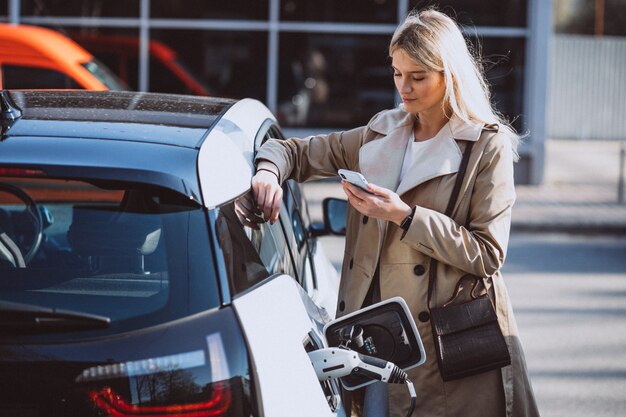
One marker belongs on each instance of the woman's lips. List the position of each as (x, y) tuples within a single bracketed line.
[(407, 100)]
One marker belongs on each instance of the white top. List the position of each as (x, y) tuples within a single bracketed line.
[(418, 151)]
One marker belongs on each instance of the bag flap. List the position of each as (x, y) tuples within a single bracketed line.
[(457, 317)]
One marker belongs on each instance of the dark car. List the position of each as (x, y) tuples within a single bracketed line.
[(133, 281)]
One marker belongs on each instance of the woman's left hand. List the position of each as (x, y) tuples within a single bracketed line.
[(381, 203)]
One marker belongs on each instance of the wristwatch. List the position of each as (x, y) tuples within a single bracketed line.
[(406, 223)]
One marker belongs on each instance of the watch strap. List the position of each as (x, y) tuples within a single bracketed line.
[(406, 223)]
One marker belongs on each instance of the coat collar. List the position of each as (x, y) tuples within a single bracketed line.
[(381, 160)]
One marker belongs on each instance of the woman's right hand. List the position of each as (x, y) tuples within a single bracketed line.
[(268, 194)]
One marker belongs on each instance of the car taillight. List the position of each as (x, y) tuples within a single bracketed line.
[(21, 172), (115, 406), (159, 377)]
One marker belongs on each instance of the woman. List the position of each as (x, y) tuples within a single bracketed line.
[(411, 156)]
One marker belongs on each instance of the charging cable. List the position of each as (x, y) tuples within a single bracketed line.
[(339, 362)]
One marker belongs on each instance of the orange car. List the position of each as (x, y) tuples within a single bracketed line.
[(121, 55), (33, 57)]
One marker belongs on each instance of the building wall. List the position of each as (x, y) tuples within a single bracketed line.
[(587, 98)]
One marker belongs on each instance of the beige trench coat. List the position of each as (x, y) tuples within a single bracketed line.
[(485, 200)]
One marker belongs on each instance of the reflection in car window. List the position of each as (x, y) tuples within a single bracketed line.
[(104, 75), (22, 77), (252, 251), (113, 250)]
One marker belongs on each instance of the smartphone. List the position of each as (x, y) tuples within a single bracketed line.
[(354, 178)]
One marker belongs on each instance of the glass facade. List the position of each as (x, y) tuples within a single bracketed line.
[(211, 9), (503, 60), (80, 8), (589, 17), (364, 11), (509, 13), (331, 80), (228, 64), (318, 65)]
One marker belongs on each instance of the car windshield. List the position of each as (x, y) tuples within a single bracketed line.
[(118, 251), (104, 75)]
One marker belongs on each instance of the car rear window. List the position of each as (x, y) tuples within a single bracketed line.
[(125, 252)]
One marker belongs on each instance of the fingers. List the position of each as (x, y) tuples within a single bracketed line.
[(375, 189), (272, 206), (269, 201), (268, 195), (247, 212), (356, 197), (354, 190)]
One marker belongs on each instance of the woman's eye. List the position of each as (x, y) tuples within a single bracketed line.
[(396, 74), (418, 79)]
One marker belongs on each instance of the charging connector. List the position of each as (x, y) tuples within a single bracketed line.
[(339, 362)]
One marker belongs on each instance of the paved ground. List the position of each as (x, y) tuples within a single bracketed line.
[(569, 298), (580, 191)]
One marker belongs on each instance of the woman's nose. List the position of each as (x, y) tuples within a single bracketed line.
[(404, 85)]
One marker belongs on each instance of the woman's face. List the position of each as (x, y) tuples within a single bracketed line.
[(422, 90)]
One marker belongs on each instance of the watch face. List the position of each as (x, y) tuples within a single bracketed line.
[(406, 222)]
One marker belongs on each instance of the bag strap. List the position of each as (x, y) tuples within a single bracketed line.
[(453, 199)]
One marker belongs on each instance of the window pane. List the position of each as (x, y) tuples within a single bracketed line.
[(251, 254), (333, 80), (614, 18), (504, 67), (370, 11), (481, 13), (21, 77), (579, 17), (228, 64), (202, 9), (83, 8), (574, 17), (116, 48), (115, 250)]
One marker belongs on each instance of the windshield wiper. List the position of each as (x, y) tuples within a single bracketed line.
[(32, 317)]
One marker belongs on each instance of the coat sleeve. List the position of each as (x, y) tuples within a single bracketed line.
[(312, 157), (480, 248)]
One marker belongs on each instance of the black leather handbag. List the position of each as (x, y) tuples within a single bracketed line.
[(467, 336)]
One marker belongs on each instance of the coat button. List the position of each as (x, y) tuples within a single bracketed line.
[(423, 316), (365, 219), (419, 269), (342, 305), (351, 263)]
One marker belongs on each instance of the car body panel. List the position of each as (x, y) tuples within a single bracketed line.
[(69, 368), (276, 323), (325, 293), (128, 116), (229, 152)]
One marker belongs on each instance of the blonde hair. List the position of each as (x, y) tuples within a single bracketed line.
[(434, 40)]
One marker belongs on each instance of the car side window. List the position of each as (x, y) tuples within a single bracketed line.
[(252, 251), (295, 226), (24, 77)]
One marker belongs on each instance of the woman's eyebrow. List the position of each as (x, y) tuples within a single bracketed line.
[(411, 72)]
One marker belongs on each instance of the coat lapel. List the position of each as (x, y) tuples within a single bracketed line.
[(442, 154), (380, 160)]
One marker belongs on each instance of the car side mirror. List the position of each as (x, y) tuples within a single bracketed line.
[(385, 330), (335, 215)]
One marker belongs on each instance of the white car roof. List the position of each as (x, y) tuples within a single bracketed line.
[(225, 161)]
